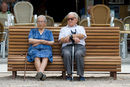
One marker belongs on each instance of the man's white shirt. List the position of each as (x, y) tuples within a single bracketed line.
[(65, 31)]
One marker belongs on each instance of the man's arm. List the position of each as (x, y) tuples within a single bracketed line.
[(65, 39), (80, 36), (76, 38)]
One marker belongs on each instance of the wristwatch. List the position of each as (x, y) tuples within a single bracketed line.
[(71, 37)]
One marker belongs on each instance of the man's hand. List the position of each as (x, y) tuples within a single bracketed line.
[(67, 39), (77, 40)]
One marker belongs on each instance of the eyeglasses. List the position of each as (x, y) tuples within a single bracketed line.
[(40, 22), (70, 19)]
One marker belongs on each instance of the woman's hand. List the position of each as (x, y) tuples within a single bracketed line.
[(35, 44)]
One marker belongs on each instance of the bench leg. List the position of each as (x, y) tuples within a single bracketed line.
[(14, 74), (114, 75), (64, 74)]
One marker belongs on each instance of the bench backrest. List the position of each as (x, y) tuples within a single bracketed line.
[(18, 40), (101, 41)]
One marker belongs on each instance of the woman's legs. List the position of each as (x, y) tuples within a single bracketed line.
[(37, 63), (40, 66), (43, 65)]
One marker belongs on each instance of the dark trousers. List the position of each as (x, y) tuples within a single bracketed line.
[(79, 53)]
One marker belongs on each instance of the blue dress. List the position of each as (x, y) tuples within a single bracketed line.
[(40, 50)]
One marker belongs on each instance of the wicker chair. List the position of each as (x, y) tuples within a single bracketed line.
[(120, 24), (100, 15), (127, 21), (50, 20), (23, 12), (84, 22), (3, 36)]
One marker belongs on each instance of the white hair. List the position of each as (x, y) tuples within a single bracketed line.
[(43, 17), (73, 13)]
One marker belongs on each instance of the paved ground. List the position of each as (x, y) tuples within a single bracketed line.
[(55, 80)]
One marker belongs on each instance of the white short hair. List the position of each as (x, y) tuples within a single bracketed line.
[(43, 17), (73, 13)]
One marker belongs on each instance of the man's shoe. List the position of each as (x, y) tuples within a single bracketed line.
[(69, 78), (81, 78)]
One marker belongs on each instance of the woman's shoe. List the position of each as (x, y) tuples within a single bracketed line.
[(43, 77), (38, 75)]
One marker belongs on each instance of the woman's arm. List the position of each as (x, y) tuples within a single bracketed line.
[(36, 42)]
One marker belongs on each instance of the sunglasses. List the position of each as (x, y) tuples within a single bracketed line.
[(70, 19)]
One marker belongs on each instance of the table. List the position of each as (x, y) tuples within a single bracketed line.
[(125, 43), (100, 25), (125, 32), (24, 24)]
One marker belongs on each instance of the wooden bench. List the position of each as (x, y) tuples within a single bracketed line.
[(102, 53)]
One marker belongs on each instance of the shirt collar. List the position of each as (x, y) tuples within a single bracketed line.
[(72, 27)]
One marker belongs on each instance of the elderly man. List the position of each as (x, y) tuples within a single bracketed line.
[(4, 8), (3, 13), (89, 10), (40, 51), (79, 51)]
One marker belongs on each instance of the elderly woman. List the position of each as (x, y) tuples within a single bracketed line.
[(40, 51)]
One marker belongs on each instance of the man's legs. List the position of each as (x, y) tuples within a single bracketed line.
[(79, 59), (66, 53)]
